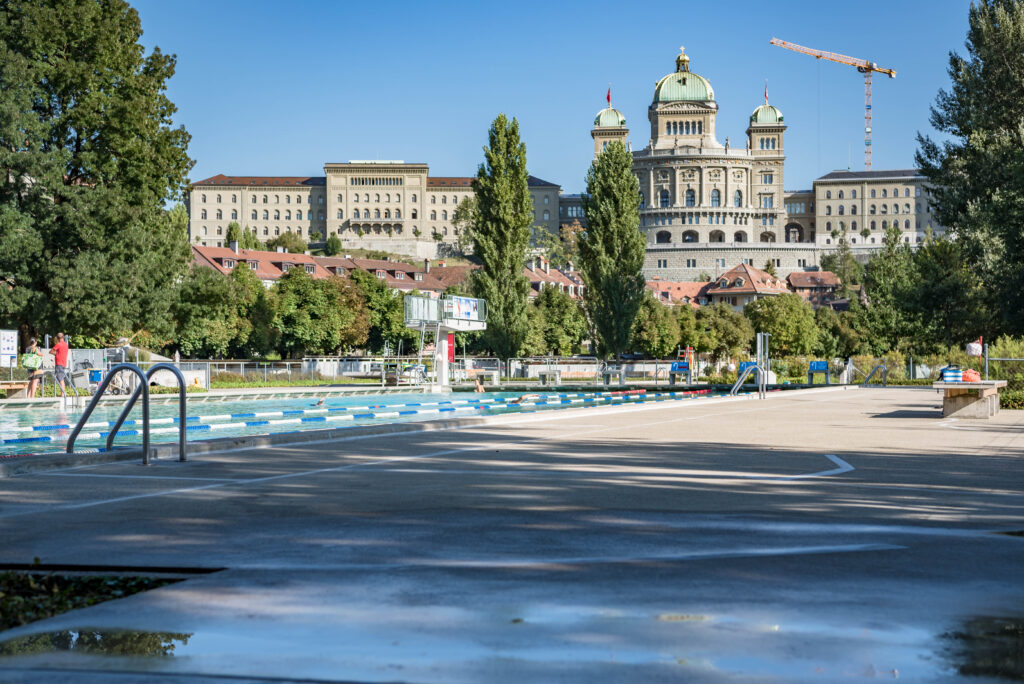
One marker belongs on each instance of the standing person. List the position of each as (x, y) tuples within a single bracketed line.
[(32, 360), (60, 360)]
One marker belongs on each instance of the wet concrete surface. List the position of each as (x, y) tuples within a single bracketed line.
[(826, 536)]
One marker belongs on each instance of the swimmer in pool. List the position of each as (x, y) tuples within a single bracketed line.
[(479, 385), (319, 403), (525, 397)]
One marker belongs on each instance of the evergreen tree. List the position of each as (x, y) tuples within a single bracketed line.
[(501, 236), (89, 157), (234, 233), (249, 239), (612, 248), (769, 268), (333, 246), (978, 173), (889, 279), (948, 295)]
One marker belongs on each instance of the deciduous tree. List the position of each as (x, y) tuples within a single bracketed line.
[(788, 319), (655, 329)]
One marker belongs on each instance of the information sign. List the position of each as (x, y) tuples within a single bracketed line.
[(680, 366), (8, 348), (819, 366)]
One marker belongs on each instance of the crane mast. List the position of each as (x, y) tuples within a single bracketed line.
[(863, 66)]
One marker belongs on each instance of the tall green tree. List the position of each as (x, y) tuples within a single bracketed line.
[(724, 332), (788, 319), (889, 280), (89, 156), (209, 314), (948, 295), (977, 172), (318, 316), (333, 246), (845, 266), (501, 236), (655, 329), (612, 248)]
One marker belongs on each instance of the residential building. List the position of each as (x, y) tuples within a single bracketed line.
[(818, 288), (744, 284)]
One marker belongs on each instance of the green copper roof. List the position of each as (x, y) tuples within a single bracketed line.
[(766, 114), (682, 86), (609, 117)]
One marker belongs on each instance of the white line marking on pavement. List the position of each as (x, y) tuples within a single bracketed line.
[(138, 477)]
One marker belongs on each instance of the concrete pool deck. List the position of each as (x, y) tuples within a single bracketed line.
[(814, 536)]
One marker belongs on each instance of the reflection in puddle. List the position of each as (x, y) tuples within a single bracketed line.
[(988, 646), (96, 642)]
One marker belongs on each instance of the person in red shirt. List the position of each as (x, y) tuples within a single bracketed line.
[(60, 359)]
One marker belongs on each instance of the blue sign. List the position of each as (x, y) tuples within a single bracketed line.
[(744, 365), (819, 366), (680, 366)]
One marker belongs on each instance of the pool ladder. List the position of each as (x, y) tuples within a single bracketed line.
[(143, 390)]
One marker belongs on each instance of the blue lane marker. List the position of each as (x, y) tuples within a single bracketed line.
[(365, 415), (292, 412), (407, 413), (243, 415), (254, 423), (190, 428), (315, 419)]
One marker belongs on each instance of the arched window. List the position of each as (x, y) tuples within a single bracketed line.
[(220, 214), (455, 200), (277, 214), (340, 215), (895, 192), (895, 208), (840, 194), (288, 199), (884, 193), (234, 214), (700, 128), (691, 198), (376, 213), (716, 236), (204, 198), (433, 199), (885, 209), (414, 197), (885, 224), (906, 224), (643, 201), (202, 214), (433, 215), (254, 199), (739, 236), (355, 213), (668, 128), (872, 225), (690, 236), (547, 215), (366, 213), (663, 237), (853, 194), (376, 197), (716, 198), (387, 213), (663, 199), (387, 197), (767, 236), (828, 210), (415, 213), (828, 194), (871, 210), (277, 199), (366, 197), (841, 210), (737, 199), (906, 192), (398, 213), (828, 225), (264, 199), (218, 199), (266, 215), (254, 214), (853, 209), (444, 215), (853, 225), (309, 216)]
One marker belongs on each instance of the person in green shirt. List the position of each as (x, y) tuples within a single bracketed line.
[(32, 360)]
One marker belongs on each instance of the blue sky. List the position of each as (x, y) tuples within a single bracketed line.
[(271, 88)]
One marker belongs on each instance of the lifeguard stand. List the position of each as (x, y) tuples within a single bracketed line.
[(447, 314)]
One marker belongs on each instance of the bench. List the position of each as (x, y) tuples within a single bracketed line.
[(550, 377), (15, 388), (970, 399)]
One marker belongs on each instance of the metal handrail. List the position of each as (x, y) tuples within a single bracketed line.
[(182, 408), (885, 375), (67, 381), (96, 400), (743, 377)]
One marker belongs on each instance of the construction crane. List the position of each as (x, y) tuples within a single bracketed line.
[(864, 66)]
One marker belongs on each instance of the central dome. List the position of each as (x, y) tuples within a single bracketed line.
[(683, 85)]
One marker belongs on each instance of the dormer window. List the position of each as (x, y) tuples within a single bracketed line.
[(723, 283), (338, 270), (253, 265), (310, 268), (399, 275), (738, 282), (381, 273), (418, 277), (285, 266), (229, 263)]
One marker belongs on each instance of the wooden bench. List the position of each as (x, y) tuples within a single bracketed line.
[(970, 399), (15, 388)]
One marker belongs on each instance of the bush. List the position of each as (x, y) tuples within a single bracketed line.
[(1012, 399)]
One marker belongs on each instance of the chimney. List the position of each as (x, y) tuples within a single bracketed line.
[(441, 263), (281, 250), (547, 265), (426, 265), (348, 256), (568, 267), (233, 245)]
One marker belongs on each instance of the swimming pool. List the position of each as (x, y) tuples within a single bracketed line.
[(35, 431)]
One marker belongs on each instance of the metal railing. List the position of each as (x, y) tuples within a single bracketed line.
[(68, 382), (110, 375), (182, 409)]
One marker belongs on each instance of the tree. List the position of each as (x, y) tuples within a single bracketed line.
[(769, 268), (788, 319), (501, 235), (333, 246), (318, 316), (845, 266), (290, 241), (976, 173), (612, 248), (724, 332), (207, 314), (563, 324), (256, 309), (888, 281), (655, 329), (234, 233), (463, 219), (948, 295), (837, 334), (89, 157), (686, 319), (250, 240), (385, 309), (563, 248)]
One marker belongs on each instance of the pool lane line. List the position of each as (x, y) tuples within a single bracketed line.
[(611, 397), (287, 412)]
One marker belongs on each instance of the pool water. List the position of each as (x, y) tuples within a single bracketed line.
[(33, 431)]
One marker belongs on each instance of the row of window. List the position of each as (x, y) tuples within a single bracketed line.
[(895, 193), (455, 199), (711, 220), (874, 225), (684, 128), (906, 239), (882, 209), (690, 199), (376, 214), (767, 143), (375, 181), (664, 237)]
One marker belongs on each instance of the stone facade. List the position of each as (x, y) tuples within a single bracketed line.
[(391, 206)]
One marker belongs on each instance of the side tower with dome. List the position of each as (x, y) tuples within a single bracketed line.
[(609, 125)]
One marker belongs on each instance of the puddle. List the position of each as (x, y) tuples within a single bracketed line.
[(96, 642), (988, 646)]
